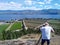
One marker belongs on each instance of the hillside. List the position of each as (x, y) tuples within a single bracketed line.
[(30, 36), (31, 40), (31, 12)]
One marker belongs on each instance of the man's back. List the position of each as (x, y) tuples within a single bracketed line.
[(46, 32)]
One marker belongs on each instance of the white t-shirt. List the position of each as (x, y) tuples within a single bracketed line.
[(46, 32)]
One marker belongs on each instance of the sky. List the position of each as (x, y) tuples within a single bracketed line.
[(29, 4)]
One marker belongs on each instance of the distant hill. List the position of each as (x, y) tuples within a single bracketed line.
[(31, 12)]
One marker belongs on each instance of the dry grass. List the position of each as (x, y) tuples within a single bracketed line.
[(33, 23), (54, 40)]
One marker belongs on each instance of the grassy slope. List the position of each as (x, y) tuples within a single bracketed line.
[(34, 23), (3, 27), (16, 25), (55, 24)]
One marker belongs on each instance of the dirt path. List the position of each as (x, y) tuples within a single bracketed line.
[(29, 40), (9, 26), (54, 40)]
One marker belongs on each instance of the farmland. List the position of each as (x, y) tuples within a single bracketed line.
[(15, 29), (3, 27), (16, 25), (32, 23), (6, 30)]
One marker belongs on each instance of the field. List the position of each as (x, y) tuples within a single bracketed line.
[(3, 27), (32, 23), (6, 30), (16, 26)]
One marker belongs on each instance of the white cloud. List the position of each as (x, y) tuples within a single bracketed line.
[(56, 4), (16, 6), (28, 2), (48, 1), (48, 7), (10, 6), (41, 3), (45, 2), (19, 6), (32, 8)]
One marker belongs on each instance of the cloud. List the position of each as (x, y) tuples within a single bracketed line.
[(56, 4), (10, 6), (45, 2), (28, 2), (41, 3), (32, 8), (16, 6), (30, 5), (48, 1), (47, 7)]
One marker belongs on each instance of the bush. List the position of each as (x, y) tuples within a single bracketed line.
[(57, 31), (6, 35)]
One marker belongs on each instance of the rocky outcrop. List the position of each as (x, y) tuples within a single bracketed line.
[(11, 42), (29, 41), (17, 42)]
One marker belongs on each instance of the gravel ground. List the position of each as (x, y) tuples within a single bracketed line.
[(29, 40)]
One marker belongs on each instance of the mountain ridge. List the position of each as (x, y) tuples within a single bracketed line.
[(31, 12)]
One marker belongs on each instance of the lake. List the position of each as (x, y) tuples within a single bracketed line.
[(11, 16)]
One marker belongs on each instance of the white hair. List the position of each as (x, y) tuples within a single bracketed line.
[(46, 23)]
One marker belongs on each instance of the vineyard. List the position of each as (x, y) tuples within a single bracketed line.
[(14, 30), (8, 30), (32, 23)]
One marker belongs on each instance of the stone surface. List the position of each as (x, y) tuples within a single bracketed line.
[(20, 41)]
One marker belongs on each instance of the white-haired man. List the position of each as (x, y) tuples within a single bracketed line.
[(46, 33)]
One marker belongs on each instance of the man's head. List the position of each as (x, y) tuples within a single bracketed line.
[(46, 23)]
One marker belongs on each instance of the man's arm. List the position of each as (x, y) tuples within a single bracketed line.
[(52, 30), (53, 34), (38, 27)]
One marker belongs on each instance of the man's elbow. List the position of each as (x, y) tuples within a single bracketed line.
[(53, 31)]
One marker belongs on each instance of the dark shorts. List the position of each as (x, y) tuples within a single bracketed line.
[(45, 40)]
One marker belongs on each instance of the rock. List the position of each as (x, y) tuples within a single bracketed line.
[(30, 42), (12, 42)]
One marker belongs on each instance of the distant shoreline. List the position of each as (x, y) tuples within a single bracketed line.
[(28, 19)]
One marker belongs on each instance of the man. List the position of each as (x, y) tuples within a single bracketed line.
[(46, 33)]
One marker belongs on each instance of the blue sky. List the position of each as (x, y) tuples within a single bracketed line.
[(29, 4)]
